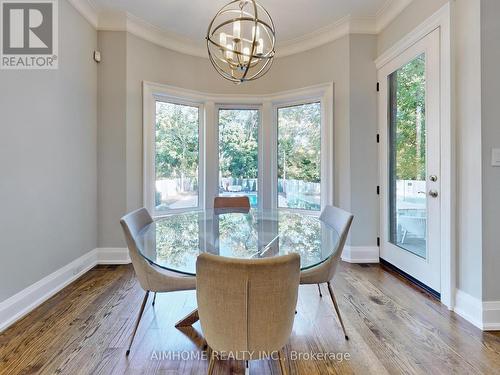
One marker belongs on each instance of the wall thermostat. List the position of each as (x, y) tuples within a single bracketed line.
[(97, 56), (495, 157)]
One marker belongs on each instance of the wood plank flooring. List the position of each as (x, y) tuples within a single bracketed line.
[(393, 327)]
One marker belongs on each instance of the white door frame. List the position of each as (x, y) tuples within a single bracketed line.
[(442, 20), (427, 269)]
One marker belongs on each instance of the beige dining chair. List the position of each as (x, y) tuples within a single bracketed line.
[(247, 306), (232, 202), (341, 221), (151, 278)]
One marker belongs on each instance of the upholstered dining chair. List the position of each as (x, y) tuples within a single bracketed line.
[(247, 306), (151, 278), (341, 221), (222, 203)]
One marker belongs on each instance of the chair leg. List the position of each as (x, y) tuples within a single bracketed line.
[(319, 290), (337, 309), (282, 363), (138, 321), (154, 299), (211, 364)]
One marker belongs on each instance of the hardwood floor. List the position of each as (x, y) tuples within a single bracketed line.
[(393, 328)]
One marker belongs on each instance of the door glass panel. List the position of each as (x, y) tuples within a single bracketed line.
[(176, 156), (299, 156), (239, 153), (407, 179)]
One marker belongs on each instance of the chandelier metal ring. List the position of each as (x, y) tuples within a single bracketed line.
[(241, 44)]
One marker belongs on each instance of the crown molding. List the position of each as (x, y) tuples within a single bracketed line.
[(123, 21), (343, 27), (390, 10), (156, 35), (87, 10)]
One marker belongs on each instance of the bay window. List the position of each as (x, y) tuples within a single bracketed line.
[(275, 149)]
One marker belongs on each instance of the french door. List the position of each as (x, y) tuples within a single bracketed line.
[(409, 118)]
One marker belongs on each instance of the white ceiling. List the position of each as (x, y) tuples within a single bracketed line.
[(293, 18), (300, 24)]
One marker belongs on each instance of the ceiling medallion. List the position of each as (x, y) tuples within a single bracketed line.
[(240, 41)]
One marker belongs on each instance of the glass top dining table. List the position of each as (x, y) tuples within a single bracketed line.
[(173, 242)]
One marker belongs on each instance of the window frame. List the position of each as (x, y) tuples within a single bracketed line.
[(234, 106), (323, 147), (324, 95), (208, 167), (149, 138)]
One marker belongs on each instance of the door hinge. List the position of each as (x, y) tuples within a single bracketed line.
[(378, 241), (378, 138), (378, 190), (378, 86)]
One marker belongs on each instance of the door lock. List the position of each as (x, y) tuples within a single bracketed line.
[(433, 193), (433, 178)]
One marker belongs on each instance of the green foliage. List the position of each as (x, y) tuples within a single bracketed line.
[(238, 140), (409, 82), (299, 142), (176, 140)]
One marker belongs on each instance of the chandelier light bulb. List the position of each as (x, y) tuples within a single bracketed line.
[(255, 34), (229, 52), (237, 29), (222, 39), (246, 54), (260, 46)]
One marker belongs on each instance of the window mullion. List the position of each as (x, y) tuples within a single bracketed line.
[(210, 155), (267, 152)]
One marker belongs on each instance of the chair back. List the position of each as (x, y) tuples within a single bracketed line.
[(247, 306), (132, 224), (232, 203), (341, 221)]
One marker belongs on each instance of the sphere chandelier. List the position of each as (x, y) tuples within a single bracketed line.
[(240, 41)]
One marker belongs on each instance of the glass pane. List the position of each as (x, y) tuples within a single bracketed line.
[(299, 156), (408, 208), (238, 153), (176, 156)]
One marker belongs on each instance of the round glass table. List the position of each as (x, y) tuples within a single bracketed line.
[(173, 242)]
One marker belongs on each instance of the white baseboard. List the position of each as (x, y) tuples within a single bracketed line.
[(484, 315), (113, 255), (14, 308), (491, 316), (361, 254), (20, 304), (469, 308)]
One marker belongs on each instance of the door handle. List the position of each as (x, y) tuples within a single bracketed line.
[(433, 193)]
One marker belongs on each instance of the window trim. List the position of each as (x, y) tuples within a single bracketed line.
[(234, 106), (208, 163), (323, 147), (149, 145)]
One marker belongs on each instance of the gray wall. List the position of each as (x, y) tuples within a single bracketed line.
[(48, 160), (412, 16), (364, 128), (490, 56), (147, 61), (468, 149), (111, 135)]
